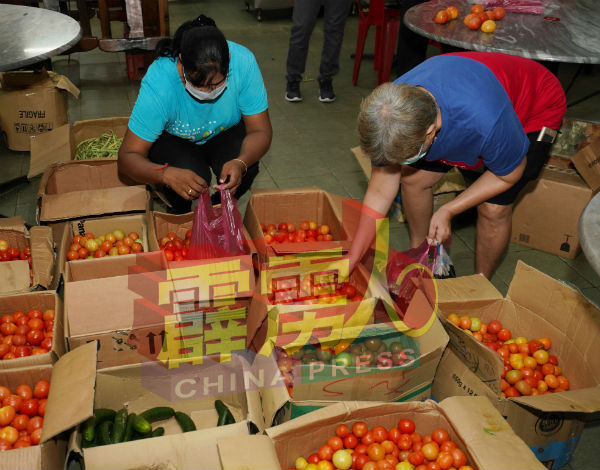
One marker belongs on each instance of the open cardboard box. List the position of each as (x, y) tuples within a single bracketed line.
[(472, 422), (86, 188), (70, 379), (15, 274), (276, 327), (536, 306), (60, 144), (42, 300), (272, 206), (143, 386)]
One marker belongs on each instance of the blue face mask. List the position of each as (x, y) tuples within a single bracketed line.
[(412, 160)]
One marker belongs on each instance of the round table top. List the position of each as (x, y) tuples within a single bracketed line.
[(29, 35), (589, 232), (575, 38)]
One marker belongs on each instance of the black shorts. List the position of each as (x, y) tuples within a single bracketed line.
[(537, 155), (201, 159)]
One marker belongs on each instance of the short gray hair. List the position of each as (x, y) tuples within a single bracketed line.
[(393, 121)]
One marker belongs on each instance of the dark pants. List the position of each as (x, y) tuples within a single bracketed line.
[(201, 159), (304, 19), (411, 48)]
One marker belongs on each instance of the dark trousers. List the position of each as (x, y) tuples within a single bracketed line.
[(201, 159), (304, 19)]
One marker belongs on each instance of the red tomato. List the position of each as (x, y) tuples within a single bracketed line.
[(8, 329), (380, 434), (10, 434), (41, 389), (30, 407), (430, 450), (5, 445), (459, 458), (360, 428), (335, 442), (7, 414), (282, 226), (34, 423), (440, 435), (325, 452), (35, 337), (445, 460), (361, 460), (169, 254), (36, 436), (304, 225), (22, 443), (360, 449), (20, 421), (503, 335), (406, 426), (494, 327), (416, 458), (24, 391), (405, 442), (83, 253), (375, 451), (42, 407), (342, 430), (46, 343), (350, 441), (7, 319), (393, 434), (23, 351), (4, 392)]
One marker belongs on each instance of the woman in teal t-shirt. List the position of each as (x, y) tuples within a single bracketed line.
[(202, 106)]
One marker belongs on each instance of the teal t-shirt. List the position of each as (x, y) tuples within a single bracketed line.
[(164, 104)]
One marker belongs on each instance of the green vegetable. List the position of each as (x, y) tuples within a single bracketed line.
[(158, 413), (105, 146), (104, 430), (185, 422), (158, 432), (129, 427), (119, 426), (225, 416), (142, 425), (100, 415)]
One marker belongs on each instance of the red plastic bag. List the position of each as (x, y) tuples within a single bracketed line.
[(217, 231), (535, 7)]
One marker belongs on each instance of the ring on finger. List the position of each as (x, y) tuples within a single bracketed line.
[(189, 191)]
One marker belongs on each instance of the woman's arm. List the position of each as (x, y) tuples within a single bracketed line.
[(256, 143), (134, 165), (382, 190)]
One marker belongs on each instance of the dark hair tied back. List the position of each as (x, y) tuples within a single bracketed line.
[(204, 21)]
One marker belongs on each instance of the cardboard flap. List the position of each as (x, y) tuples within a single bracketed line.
[(587, 162), (89, 128), (302, 425), (586, 400), (15, 277), (489, 437), (191, 450), (62, 82), (42, 255), (13, 223), (48, 148), (234, 453), (466, 288), (23, 78), (71, 398)]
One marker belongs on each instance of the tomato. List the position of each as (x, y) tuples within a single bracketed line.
[(10, 434), (124, 250), (465, 322), (325, 452), (34, 423), (416, 458), (30, 407), (440, 435), (430, 450), (342, 459), (350, 441), (22, 443), (488, 26), (375, 451), (404, 442), (24, 391), (406, 426), (504, 334), (452, 12), (324, 465), (388, 446), (36, 436), (442, 17), (8, 329), (5, 445), (46, 343), (361, 460), (368, 438), (19, 422), (42, 407), (360, 428), (499, 13), (7, 414), (447, 446), (22, 351), (342, 430), (335, 442), (4, 392), (380, 434)]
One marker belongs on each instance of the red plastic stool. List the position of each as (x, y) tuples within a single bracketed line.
[(387, 24)]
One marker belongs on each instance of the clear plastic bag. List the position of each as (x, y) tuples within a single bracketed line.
[(217, 232), (443, 267)]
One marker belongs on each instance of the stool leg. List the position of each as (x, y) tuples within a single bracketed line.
[(390, 37), (363, 29), (378, 47)]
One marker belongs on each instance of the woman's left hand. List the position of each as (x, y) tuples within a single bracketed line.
[(233, 169), (439, 226)]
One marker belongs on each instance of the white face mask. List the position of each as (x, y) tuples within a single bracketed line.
[(203, 95)]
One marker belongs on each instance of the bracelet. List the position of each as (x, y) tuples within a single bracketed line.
[(162, 167), (243, 163)]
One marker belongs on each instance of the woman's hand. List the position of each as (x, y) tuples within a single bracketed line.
[(186, 183), (439, 226), (232, 169)]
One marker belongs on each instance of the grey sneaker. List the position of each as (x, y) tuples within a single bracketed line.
[(326, 93), (292, 92)]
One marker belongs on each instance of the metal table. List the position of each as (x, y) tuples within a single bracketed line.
[(574, 38), (29, 35), (589, 232)]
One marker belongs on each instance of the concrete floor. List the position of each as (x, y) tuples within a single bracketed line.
[(312, 141)]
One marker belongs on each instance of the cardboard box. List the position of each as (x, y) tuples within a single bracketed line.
[(445, 190), (42, 300), (579, 141), (73, 374), (87, 188), (536, 305), (143, 386), (473, 424), (557, 195), (272, 206), (32, 103), (15, 274), (60, 144)]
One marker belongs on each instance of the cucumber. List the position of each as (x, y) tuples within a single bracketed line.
[(185, 422), (160, 431), (119, 426), (104, 430), (129, 427), (142, 425), (158, 413), (225, 416), (100, 415)]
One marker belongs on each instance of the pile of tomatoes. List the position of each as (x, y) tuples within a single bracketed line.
[(26, 334), (8, 253), (476, 19), (174, 248), (22, 415), (111, 244), (399, 448), (293, 290), (286, 232), (528, 367)]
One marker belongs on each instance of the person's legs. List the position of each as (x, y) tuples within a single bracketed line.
[(303, 22), (411, 48), (334, 22), (225, 147), (179, 153)]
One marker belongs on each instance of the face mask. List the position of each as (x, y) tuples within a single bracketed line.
[(412, 160), (203, 95)]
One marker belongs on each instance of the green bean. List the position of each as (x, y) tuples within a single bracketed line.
[(105, 146)]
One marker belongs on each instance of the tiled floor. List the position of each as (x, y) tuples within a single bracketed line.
[(312, 141)]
